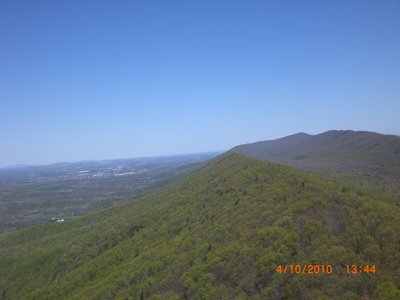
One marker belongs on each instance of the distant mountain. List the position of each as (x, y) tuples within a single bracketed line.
[(365, 158), (219, 233)]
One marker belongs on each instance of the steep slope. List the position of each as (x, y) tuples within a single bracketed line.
[(365, 158), (219, 233)]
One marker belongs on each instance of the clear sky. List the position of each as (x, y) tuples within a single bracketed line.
[(116, 79)]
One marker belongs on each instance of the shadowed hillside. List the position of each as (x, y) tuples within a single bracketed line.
[(364, 158), (219, 233)]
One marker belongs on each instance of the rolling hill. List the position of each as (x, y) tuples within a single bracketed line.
[(363, 158), (218, 233)]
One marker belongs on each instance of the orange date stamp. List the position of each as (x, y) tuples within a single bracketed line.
[(327, 269), (309, 269)]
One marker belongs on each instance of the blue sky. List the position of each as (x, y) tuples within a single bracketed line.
[(115, 79)]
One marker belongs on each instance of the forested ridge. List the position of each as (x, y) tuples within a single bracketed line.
[(366, 159), (219, 233)]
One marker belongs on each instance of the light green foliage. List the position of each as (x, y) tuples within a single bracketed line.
[(217, 234)]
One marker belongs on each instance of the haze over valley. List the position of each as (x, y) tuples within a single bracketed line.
[(50, 193)]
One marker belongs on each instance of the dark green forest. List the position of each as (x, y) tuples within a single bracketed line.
[(366, 159), (218, 233)]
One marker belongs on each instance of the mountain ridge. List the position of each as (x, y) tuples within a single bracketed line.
[(365, 158), (219, 233)]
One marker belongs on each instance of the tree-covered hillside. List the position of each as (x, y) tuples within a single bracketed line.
[(219, 233), (364, 158), (41, 194)]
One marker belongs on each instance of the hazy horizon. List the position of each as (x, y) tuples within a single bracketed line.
[(107, 159), (17, 165), (99, 80)]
